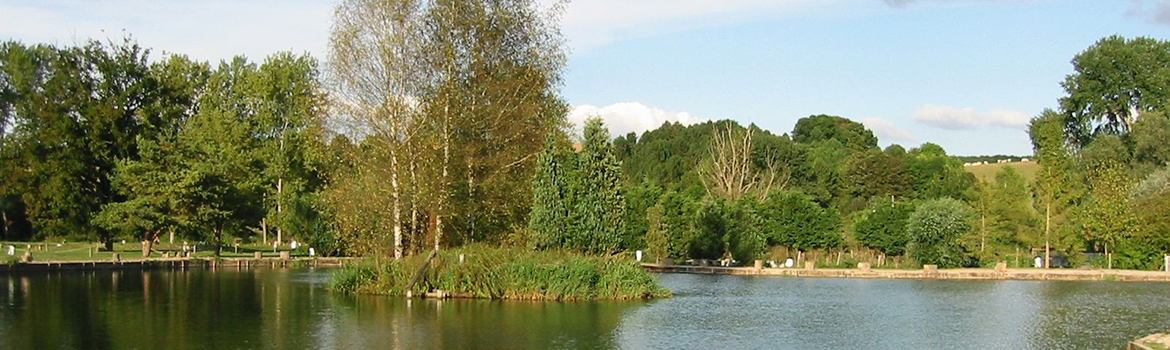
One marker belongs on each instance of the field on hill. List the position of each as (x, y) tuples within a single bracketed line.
[(986, 172)]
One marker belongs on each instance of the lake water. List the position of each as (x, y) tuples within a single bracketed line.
[(292, 309)]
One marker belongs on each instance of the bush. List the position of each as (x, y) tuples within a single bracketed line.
[(884, 227), (935, 230), (350, 278), (509, 273), (793, 219)]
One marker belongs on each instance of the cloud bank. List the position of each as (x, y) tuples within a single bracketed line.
[(1157, 12), (626, 117), (951, 118), (887, 132)]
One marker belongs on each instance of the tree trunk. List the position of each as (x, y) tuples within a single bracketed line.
[(1108, 257), (264, 230), (414, 234), (983, 232), (443, 182), (146, 246), (1047, 228), (396, 219), (4, 219), (218, 240), (279, 207)]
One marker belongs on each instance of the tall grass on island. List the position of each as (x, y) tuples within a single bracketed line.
[(506, 273)]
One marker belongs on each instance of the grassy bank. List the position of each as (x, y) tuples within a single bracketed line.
[(507, 273), (89, 251)]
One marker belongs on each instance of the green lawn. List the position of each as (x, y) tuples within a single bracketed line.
[(986, 172), (43, 251)]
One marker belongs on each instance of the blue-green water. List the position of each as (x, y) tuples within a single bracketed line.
[(292, 309)]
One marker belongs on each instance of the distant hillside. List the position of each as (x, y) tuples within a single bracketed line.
[(990, 159), (986, 172)]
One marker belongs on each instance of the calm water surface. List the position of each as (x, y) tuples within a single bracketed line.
[(291, 309)]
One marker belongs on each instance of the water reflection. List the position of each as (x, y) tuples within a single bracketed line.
[(291, 309), (274, 309), (762, 312)]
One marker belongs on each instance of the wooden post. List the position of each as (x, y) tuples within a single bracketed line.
[(256, 255), (418, 274)]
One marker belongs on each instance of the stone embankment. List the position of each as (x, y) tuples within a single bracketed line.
[(929, 272)]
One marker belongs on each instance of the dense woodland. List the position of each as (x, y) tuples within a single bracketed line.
[(440, 123)]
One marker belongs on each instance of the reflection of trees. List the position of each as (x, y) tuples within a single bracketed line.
[(366, 322), (274, 308)]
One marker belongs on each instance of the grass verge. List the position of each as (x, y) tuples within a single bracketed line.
[(507, 273)]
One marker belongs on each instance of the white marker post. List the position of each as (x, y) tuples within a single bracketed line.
[(637, 255)]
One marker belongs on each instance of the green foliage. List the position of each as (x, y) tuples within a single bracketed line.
[(877, 174), (552, 202), (515, 273), (639, 199), (1015, 220), (883, 226), (707, 238), (671, 230), (794, 220), (578, 202), (1106, 217), (351, 278), (936, 228), (937, 175), (819, 128), (1113, 82), (746, 240), (599, 212), (1149, 135)]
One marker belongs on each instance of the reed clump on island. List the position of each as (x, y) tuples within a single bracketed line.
[(506, 273)]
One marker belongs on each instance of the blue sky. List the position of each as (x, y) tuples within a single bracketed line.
[(966, 74)]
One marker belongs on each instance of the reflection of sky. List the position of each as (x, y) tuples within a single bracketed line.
[(799, 313), (292, 309)]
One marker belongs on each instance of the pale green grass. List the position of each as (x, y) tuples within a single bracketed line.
[(46, 251), (987, 172)]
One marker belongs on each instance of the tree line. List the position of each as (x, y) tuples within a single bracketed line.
[(719, 190), (440, 123)]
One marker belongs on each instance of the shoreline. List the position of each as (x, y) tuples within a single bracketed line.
[(1014, 274), (172, 263)]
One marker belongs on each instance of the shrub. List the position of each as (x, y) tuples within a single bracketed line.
[(935, 229)]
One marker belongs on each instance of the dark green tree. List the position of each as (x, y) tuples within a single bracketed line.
[(794, 220), (883, 227), (937, 175), (599, 213), (552, 200), (1114, 81)]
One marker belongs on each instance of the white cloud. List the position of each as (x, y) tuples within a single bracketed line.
[(203, 29), (1157, 11), (887, 132), (626, 117), (951, 118), (592, 23)]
